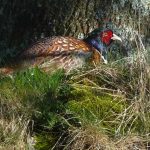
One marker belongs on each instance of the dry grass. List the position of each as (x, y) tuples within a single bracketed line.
[(91, 139), (13, 133)]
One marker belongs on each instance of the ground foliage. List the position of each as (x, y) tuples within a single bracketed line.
[(99, 107)]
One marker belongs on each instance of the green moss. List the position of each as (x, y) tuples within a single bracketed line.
[(44, 141), (96, 109)]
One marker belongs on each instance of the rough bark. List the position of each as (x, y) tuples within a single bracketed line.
[(23, 22)]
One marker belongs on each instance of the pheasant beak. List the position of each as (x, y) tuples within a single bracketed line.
[(115, 37), (104, 60)]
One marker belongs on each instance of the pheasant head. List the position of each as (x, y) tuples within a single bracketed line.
[(101, 40)]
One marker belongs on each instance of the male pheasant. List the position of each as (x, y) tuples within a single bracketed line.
[(65, 52)]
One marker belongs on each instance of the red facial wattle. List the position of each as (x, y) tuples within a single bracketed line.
[(106, 36)]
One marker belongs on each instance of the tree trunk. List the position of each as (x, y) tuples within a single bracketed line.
[(28, 20)]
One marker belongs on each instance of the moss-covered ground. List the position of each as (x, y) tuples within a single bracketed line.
[(104, 107)]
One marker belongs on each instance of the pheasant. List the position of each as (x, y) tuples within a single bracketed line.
[(65, 52)]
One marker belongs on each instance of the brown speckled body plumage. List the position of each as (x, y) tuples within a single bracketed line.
[(55, 52)]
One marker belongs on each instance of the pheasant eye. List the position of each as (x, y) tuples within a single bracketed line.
[(105, 34)]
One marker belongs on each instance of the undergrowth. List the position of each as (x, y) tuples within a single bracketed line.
[(104, 107)]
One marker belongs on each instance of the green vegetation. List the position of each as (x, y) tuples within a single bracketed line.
[(107, 106)]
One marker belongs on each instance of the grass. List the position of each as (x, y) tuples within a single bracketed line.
[(104, 107)]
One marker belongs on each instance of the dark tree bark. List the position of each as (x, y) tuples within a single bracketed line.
[(23, 22)]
